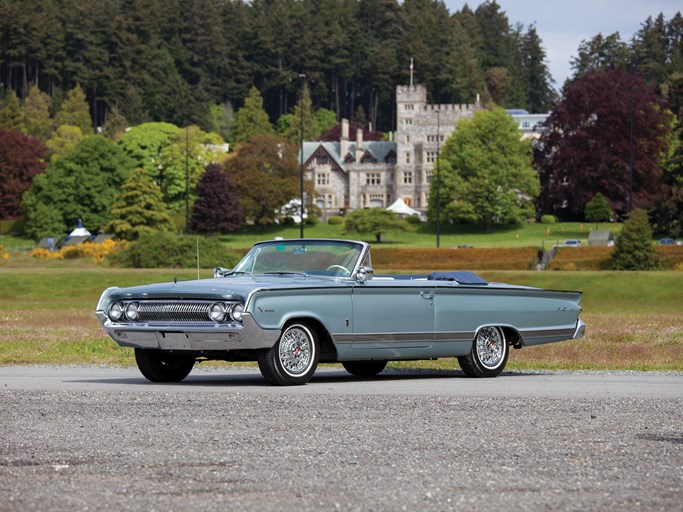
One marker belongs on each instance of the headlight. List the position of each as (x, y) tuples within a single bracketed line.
[(132, 311), (217, 312), (236, 312), (115, 311)]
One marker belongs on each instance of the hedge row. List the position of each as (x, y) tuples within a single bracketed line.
[(600, 258), (520, 258)]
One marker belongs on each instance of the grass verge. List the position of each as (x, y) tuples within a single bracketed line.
[(635, 319)]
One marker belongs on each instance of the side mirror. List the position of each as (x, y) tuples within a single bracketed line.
[(221, 271), (363, 275)]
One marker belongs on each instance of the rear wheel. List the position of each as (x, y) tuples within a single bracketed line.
[(364, 368), (159, 366), (489, 354), (294, 358)]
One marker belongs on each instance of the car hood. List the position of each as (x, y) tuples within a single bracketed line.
[(225, 288)]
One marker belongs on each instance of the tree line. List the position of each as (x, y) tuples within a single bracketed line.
[(615, 130), (194, 61)]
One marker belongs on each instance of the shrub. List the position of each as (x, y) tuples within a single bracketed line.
[(46, 254), (548, 219), (598, 209), (413, 219), (166, 250), (335, 220), (633, 249), (98, 252), (517, 258), (4, 255), (311, 220)]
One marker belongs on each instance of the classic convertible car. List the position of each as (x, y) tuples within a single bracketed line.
[(291, 304)]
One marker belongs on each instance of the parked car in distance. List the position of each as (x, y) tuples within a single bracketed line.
[(665, 241), (292, 304), (572, 242)]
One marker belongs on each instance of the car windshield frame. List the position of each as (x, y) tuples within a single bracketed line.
[(306, 257)]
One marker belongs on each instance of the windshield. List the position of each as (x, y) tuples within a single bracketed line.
[(314, 257)]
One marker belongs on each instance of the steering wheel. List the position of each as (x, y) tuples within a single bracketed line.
[(345, 270)]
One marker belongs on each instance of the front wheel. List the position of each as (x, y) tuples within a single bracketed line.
[(489, 354), (159, 366), (293, 359)]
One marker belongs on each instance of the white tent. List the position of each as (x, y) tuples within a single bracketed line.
[(79, 231), (402, 209)]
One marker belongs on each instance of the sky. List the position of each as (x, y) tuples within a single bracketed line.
[(563, 24)]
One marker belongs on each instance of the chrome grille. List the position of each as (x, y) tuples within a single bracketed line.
[(182, 311)]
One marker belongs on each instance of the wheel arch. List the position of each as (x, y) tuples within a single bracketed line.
[(328, 350)]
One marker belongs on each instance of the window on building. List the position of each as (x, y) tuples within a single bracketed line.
[(408, 178), (322, 178), (409, 106), (373, 178), (390, 158), (428, 176), (321, 159), (408, 157), (431, 156), (407, 201), (409, 121)]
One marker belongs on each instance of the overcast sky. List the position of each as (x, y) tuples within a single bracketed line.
[(562, 24)]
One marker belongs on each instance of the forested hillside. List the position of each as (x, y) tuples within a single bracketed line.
[(182, 61)]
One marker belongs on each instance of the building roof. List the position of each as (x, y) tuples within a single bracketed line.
[(379, 149)]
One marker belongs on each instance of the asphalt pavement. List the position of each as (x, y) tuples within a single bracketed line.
[(101, 438)]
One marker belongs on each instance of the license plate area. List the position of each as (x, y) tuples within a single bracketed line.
[(174, 341)]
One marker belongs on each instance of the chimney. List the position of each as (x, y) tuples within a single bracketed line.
[(344, 141), (359, 144)]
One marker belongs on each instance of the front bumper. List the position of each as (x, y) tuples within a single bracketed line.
[(193, 337)]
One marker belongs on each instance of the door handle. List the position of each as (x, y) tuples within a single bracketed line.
[(427, 295)]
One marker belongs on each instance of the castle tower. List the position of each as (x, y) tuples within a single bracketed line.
[(421, 129)]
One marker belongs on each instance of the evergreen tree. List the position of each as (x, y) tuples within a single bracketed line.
[(36, 114), (74, 111), (251, 119), (138, 209), (598, 209), (11, 116), (217, 208), (633, 249), (115, 124), (310, 124)]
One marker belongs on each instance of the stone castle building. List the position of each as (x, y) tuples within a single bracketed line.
[(352, 173)]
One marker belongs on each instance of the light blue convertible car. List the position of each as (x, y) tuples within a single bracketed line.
[(291, 304)]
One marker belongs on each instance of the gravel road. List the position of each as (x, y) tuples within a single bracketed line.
[(87, 438)]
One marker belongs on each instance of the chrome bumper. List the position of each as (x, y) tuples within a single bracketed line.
[(232, 336)]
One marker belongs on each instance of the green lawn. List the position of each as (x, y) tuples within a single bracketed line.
[(524, 235)]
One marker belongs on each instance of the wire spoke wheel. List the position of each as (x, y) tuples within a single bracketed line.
[(490, 347), (296, 350), (294, 358), (489, 354)]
